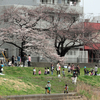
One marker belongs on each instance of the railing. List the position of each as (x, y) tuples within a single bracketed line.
[(69, 60), (82, 60)]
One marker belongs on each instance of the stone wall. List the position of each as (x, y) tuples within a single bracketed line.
[(70, 96), (41, 64)]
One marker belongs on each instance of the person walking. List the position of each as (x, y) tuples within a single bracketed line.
[(63, 72), (24, 59), (78, 69), (95, 70), (12, 60), (69, 69), (39, 72), (72, 68), (52, 69), (15, 61), (18, 60), (85, 70), (29, 60), (48, 86), (66, 88), (74, 78), (45, 72), (58, 68)]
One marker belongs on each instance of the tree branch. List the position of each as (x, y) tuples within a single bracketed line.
[(13, 44)]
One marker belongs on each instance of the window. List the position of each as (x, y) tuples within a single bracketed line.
[(46, 1), (71, 52), (74, 52), (49, 1), (72, 1), (53, 1), (43, 1), (59, 1), (64, 1)]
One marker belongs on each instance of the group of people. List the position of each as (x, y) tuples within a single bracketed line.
[(46, 71), (34, 71), (16, 61), (91, 72), (71, 69), (27, 60)]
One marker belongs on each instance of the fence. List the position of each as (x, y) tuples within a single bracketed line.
[(69, 60)]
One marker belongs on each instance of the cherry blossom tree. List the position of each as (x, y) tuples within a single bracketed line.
[(69, 31), (50, 31), (23, 30)]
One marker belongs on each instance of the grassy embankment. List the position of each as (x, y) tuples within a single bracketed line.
[(89, 86), (21, 81)]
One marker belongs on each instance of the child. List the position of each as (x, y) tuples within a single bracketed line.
[(78, 69), (34, 71), (85, 71), (95, 70), (39, 72), (74, 78), (66, 89), (9, 63), (45, 73), (48, 72), (48, 86), (63, 72), (91, 72)]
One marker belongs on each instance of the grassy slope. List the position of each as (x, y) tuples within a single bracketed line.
[(89, 86), (21, 81), (91, 80)]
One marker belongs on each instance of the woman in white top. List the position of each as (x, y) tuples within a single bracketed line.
[(58, 68), (69, 69)]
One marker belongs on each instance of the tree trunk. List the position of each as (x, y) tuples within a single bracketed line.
[(22, 50), (62, 52)]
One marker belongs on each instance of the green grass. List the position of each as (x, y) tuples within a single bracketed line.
[(21, 81), (91, 80)]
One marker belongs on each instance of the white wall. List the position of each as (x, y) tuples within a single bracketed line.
[(76, 56)]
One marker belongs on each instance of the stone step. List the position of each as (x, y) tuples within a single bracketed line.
[(62, 96)]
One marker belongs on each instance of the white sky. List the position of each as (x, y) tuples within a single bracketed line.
[(91, 6)]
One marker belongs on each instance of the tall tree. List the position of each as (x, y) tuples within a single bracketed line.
[(69, 31), (22, 28), (50, 31)]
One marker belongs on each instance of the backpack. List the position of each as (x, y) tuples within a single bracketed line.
[(66, 87)]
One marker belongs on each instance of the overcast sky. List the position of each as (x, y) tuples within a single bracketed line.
[(91, 6)]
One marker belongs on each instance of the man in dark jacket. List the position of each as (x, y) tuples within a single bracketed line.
[(24, 59)]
